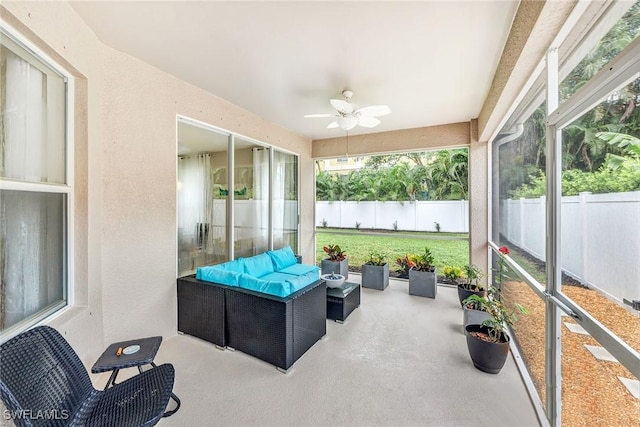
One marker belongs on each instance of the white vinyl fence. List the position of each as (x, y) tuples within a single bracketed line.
[(600, 238), (453, 216)]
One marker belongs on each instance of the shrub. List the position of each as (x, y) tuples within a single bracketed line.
[(334, 252), (375, 258)]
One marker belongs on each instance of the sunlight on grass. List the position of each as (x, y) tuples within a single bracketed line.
[(358, 246)]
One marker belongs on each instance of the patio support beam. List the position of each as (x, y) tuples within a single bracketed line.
[(478, 200), (398, 141)]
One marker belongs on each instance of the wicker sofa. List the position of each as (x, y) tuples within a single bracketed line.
[(276, 329)]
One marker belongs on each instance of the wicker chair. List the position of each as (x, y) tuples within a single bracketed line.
[(44, 383)]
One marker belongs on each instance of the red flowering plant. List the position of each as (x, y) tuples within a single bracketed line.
[(334, 252), (501, 315), (501, 267)]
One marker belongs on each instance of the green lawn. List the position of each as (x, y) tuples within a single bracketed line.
[(393, 245)]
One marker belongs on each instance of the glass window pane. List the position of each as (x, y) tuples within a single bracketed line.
[(32, 253), (202, 197), (617, 37), (285, 200), (251, 192), (32, 117)]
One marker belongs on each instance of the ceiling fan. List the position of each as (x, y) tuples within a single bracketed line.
[(348, 115)]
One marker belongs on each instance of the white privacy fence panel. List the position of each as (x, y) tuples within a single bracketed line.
[(453, 216), (600, 236)]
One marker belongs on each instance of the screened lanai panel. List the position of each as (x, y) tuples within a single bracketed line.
[(519, 215), (600, 236), (613, 32)]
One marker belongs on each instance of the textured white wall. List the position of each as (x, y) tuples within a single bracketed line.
[(126, 171)]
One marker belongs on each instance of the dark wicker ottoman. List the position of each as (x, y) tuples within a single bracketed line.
[(341, 301)]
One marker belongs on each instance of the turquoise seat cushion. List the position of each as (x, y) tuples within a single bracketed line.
[(218, 275), (258, 265), (301, 269), (271, 287), (236, 266), (277, 276), (282, 258), (298, 281)]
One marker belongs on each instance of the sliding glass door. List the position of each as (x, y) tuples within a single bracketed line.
[(202, 198), (236, 197), (251, 198), (285, 200)]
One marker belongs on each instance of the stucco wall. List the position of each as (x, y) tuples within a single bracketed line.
[(126, 154)]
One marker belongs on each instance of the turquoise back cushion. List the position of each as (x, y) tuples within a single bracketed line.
[(282, 258), (217, 275), (277, 288), (236, 266), (258, 265)]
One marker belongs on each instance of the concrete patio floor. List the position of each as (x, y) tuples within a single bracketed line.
[(398, 360)]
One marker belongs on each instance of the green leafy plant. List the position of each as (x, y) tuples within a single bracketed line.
[(395, 225), (357, 225), (452, 273), (472, 276), (502, 317), (334, 252), (424, 261), (324, 223), (375, 258), (437, 225)]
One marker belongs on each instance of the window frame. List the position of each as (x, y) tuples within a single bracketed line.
[(67, 188)]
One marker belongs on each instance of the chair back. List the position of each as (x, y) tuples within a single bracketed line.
[(42, 380)]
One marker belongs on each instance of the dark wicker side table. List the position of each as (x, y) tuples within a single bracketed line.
[(130, 354), (341, 301)]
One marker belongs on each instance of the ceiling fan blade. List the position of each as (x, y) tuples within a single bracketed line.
[(374, 111), (317, 116), (368, 122), (342, 106), (333, 125)]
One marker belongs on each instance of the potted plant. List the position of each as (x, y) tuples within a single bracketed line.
[(473, 311), (336, 262), (375, 272), (452, 274), (422, 276), (488, 342), (470, 284), (405, 264)]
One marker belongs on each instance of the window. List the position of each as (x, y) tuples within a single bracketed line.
[(35, 189)]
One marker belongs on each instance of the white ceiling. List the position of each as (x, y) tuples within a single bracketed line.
[(432, 62)]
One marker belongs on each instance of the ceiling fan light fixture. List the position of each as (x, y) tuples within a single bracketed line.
[(348, 115), (347, 122)]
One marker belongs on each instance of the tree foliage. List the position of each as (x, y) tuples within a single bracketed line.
[(441, 175), (596, 153)]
